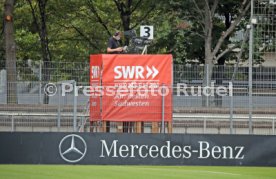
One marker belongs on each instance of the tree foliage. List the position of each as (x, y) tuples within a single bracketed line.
[(76, 29)]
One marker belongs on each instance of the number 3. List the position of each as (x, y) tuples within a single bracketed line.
[(147, 31)]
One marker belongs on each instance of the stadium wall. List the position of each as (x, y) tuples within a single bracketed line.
[(137, 149)]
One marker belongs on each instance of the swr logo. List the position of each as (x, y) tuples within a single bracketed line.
[(135, 72), (95, 72)]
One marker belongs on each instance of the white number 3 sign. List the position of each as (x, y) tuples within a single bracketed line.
[(146, 31)]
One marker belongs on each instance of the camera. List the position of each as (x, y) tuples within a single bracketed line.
[(136, 44)]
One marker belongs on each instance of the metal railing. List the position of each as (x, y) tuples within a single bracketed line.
[(70, 113)]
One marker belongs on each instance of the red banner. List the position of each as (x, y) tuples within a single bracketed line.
[(137, 68), (134, 87), (95, 82)]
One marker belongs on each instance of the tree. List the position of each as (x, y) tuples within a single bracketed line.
[(40, 24), (127, 14), (10, 52), (127, 9), (212, 22), (213, 49), (190, 29), (83, 26), (2, 50)]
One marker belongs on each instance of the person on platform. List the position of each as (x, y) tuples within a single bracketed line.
[(114, 47), (114, 44)]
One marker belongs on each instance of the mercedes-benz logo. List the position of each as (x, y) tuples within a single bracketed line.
[(72, 148)]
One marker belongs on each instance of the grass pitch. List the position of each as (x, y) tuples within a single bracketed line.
[(132, 172)]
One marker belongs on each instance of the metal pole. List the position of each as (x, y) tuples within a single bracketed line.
[(163, 110), (145, 50), (204, 125), (273, 126), (207, 76), (231, 108), (75, 108), (82, 125), (251, 41), (101, 105), (59, 110), (12, 123), (40, 81)]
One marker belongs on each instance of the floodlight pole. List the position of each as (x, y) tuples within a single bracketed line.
[(250, 64)]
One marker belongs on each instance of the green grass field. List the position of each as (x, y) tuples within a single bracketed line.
[(132, 172)]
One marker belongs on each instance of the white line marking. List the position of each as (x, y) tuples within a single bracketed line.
[(191, 171)]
